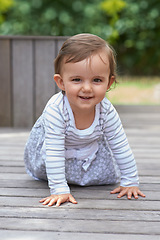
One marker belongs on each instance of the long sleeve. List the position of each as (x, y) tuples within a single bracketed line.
[(55, 150), (120, 148)]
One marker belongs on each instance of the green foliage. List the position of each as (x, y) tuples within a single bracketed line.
[(52, 17), (139, 33), (113, 7), (131, 26), (5, 5)]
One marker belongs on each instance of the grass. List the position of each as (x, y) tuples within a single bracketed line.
[(136, 91)]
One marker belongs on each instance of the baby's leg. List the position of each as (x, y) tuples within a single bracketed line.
[(102, 170), (34, 154)]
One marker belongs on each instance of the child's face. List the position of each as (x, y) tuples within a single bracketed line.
[(85, 83)]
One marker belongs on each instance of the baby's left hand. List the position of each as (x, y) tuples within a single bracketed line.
[(129, 191)]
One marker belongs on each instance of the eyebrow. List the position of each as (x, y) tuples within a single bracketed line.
[(98, 76), (76, 76)]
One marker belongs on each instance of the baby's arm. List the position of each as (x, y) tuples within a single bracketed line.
[(119, 145), (55, 158), (58, 199), (129, 191)]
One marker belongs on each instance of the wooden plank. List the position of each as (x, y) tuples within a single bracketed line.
[(84, 226), (151, 151), (13, 131), (9, 163), (15, 176), (140, 120), (45, 53), (14, 136), (23, 184), (79, 193), (18, 167), (144, 187), (144, 168), (150, 179), (44, 71), (22, 62), (21, 176), (59, 44), (11, 158), (24, 37), (97, 214), (41, 235), (141, 143), (7, 168), (7, 183), (153, 134), (142, 156), (121, 204), (16, 150), (137, 109), (148, 172), (5, 83)]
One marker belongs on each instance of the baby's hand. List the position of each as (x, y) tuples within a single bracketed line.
[(58, 199), (129, 191)]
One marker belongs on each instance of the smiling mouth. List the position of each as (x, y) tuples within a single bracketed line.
[(85, 98)]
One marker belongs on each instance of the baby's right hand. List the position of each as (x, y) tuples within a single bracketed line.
[(58, 199)]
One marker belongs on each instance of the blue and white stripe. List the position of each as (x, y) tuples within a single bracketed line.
[(61, 134)]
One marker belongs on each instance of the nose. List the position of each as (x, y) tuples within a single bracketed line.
[(87, 87)]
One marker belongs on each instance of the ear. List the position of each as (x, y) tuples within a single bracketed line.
[(111, 81), (59, 81)]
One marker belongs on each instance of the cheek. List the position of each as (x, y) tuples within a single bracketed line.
[(102, 91), (73, 88), (71, 91), (100, 95)]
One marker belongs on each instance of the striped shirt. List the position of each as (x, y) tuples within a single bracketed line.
[(61, 135)]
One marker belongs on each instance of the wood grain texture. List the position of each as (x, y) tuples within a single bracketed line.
[(50, 235), (26, 77), (22, 83), (98, 214), (5, 83), (45, 86)]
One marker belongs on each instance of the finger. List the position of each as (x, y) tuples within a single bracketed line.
[(46, 201), (116, 190), (52, 202), (135, 194), (42, 200), (72, 199), (141, 194), (59, 201), (129, 194), (122, 193)]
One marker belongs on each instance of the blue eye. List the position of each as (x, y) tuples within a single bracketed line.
[(97, 80)]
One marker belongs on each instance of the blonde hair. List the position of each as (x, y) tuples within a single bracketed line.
[(82, 46)]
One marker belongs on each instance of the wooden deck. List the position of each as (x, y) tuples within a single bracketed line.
[(98, 214)]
